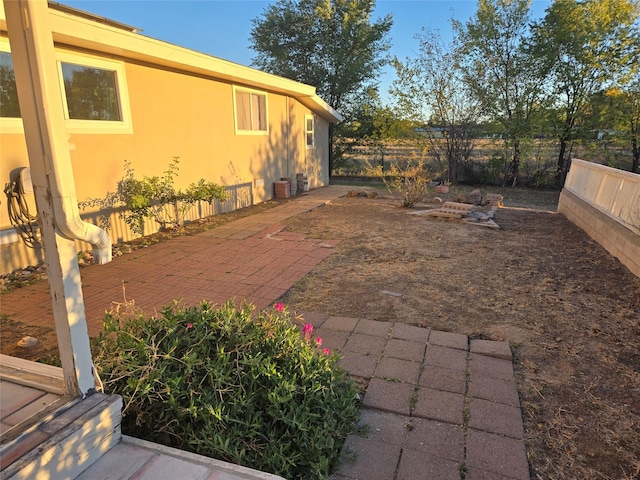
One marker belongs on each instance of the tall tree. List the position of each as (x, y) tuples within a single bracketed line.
[(586, 46), (633, 121), (619, 111), (429, 89), (500, 71), (331, 44)]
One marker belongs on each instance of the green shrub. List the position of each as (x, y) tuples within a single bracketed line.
[(154, 198), (410, 179), (234, 384)]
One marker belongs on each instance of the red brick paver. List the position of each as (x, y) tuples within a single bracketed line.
[(250, 259)]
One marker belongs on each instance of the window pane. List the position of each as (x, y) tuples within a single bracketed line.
[(8, 92), (91, 93), (261, 105), (308, 127), (243, 110)]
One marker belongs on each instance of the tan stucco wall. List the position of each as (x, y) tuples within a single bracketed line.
[(619, 240), (187, 116)]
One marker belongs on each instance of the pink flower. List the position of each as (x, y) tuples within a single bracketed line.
[(279, 307), (307, 330), (189, 325), (318, 341), (327, 351)]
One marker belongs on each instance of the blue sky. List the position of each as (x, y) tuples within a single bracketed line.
[(222, 27)]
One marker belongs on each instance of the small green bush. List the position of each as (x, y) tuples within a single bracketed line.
[(410, 179), (154, 198), (234, 384)]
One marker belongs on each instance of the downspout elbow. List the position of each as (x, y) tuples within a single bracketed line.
[(68, 221)]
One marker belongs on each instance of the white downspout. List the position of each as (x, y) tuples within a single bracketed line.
[(40, 97), (67, 218)]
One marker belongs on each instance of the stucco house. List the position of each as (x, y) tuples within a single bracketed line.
[(128, 97)]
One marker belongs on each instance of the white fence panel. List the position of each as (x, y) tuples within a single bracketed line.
[(615, 191)]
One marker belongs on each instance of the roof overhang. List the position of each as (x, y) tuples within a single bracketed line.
[(78, 29)]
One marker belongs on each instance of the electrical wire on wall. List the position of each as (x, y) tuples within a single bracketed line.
[(25, 223)]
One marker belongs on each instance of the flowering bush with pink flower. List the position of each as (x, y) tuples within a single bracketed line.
[(234, 384)]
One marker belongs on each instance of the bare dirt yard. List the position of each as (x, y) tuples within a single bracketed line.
[(570, 311)]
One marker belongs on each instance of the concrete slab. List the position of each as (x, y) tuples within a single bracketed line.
[(443, 379), (439, 405), (163, 467), (478, 474), (494, 389), (447, 339), (373, 460), (365, 344), (315, 319), (491, 367), (384, 427), (332, 339), (399, 370), (491, 349), (373, 327), (405, 350), (497, 454), (446, 357), (120, 462), (436, 438), (358, 364), (410, 332), (389, 396), (495, 418), (342, 324), (420, 465)]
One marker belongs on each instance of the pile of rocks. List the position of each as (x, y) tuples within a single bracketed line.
[(462, 211), (475, 197)]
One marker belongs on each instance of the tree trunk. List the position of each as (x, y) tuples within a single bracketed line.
[(635, 168), (562, 162), (515, 163), (331, 135)]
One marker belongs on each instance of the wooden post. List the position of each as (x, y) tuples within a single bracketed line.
[(40, 96)]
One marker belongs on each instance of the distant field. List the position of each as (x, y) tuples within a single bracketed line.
[(539, 157)]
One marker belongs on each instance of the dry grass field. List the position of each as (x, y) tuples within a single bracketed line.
[(569, 310), (486, 162)]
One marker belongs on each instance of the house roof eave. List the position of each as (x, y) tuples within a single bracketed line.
[(85, 32)]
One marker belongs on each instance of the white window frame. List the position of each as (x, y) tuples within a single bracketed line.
[(97, 126), (308, 131), (124, 126), (235, 111)]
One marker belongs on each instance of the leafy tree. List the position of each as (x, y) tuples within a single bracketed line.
[(430, 86), (632, 103), (330, 44), (585, 46), (8, 90), (368, 130), (618, 110), (500, 71)]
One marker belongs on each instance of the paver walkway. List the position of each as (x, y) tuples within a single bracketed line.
[(437, 405), (250, 258)]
